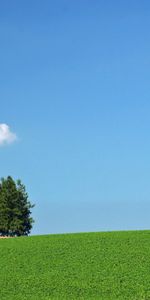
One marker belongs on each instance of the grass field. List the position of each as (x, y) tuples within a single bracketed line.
[(112, 265)]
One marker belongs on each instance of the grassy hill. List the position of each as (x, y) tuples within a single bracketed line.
[(112, 265)]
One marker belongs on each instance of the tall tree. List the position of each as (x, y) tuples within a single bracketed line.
[(15, 208)]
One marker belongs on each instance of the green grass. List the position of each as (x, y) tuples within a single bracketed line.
[(112, 265)]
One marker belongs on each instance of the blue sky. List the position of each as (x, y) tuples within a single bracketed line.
[(74, 88)]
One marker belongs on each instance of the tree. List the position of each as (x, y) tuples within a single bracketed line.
[(15, 208)]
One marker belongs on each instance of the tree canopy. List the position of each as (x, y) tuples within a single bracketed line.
[(15, 208)]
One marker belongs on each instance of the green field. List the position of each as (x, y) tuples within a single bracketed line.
[(112, 265)]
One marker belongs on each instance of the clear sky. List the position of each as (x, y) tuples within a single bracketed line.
[(75, 89)]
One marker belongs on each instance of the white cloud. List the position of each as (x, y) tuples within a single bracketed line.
[(6, 136)]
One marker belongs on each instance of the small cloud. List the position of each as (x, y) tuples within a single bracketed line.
[(6, 136)]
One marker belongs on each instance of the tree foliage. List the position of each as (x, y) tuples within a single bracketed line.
[(15, 208)]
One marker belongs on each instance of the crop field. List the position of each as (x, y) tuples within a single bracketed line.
[(112, 265)]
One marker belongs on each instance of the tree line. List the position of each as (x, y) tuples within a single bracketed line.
[(15, 208)]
